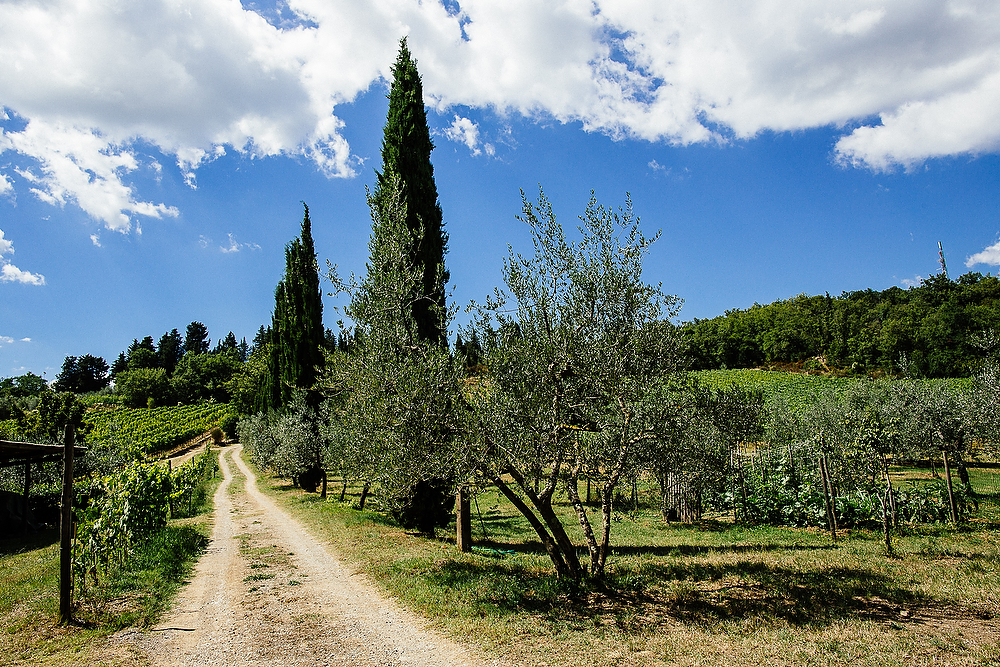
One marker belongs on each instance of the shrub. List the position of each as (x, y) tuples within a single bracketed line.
[(229, 426)]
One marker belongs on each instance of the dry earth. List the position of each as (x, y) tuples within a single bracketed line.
[(268, 593)]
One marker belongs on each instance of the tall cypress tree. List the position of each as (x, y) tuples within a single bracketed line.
[(296, 335), (406, 153)]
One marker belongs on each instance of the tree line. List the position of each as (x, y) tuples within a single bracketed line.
[(933, 330)]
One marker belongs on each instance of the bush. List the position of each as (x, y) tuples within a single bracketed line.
[(229, 426), (427, 506)]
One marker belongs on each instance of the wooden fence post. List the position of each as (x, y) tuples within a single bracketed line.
[(951, 494), (66, 529), (463, 519), (27, 487)]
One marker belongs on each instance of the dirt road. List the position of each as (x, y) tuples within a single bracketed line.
[(268, 593)]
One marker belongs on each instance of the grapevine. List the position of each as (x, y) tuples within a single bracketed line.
[(152, 430)]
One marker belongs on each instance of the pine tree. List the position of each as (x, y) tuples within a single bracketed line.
[(297, 334), (170, 350), (226, 344), (406, 154), (196, 340)]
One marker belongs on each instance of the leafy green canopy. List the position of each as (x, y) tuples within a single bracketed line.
[(406, 155)]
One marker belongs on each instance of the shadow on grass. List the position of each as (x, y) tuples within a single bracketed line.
[(698, 550), (690, 593), (498, 526), (17, 544)]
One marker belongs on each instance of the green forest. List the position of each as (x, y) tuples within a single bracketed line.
[(939, 328)]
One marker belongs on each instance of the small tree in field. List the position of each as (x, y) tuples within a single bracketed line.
[(576, 349)]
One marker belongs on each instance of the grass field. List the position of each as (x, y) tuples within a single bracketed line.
[(707, 594)]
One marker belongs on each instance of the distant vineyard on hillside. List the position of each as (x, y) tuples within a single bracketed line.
[(153, 430)]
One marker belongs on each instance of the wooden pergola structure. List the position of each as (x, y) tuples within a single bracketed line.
[(27, 453)]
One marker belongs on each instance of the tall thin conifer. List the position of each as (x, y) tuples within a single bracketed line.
[(296, 335), (406, 153)]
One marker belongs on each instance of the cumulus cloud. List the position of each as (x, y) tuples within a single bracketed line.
[(6, 245), (5, 184), (11, 274), (989, 256), (82, 167), (89, 81)]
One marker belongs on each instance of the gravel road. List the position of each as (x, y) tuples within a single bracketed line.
[(268, 593)]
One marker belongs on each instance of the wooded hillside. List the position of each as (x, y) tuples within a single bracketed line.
[(938, 327)]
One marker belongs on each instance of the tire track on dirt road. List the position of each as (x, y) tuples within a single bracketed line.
[(268, 593)]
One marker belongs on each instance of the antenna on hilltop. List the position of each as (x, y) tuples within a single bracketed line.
[(944, 267)]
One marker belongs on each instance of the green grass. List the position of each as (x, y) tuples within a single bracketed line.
[(712, 593)]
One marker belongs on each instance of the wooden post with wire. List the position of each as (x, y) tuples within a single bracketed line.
[(66, 529)]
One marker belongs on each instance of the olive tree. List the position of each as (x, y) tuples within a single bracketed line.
[(575, 347), (291, 442)]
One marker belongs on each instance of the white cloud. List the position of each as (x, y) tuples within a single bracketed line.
[(990, 256), (11, 274), (84, 168), (5, 184), (464, 131), (915, 282), (235, 246), (855, 24), (25, 340), (90, 80), (96, 240), (6, 339)]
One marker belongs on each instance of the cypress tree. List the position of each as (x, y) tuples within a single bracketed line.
[(406, 153), (297, 335), (407, 173)]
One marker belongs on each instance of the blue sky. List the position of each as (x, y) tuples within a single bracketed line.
[(153, 179)]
